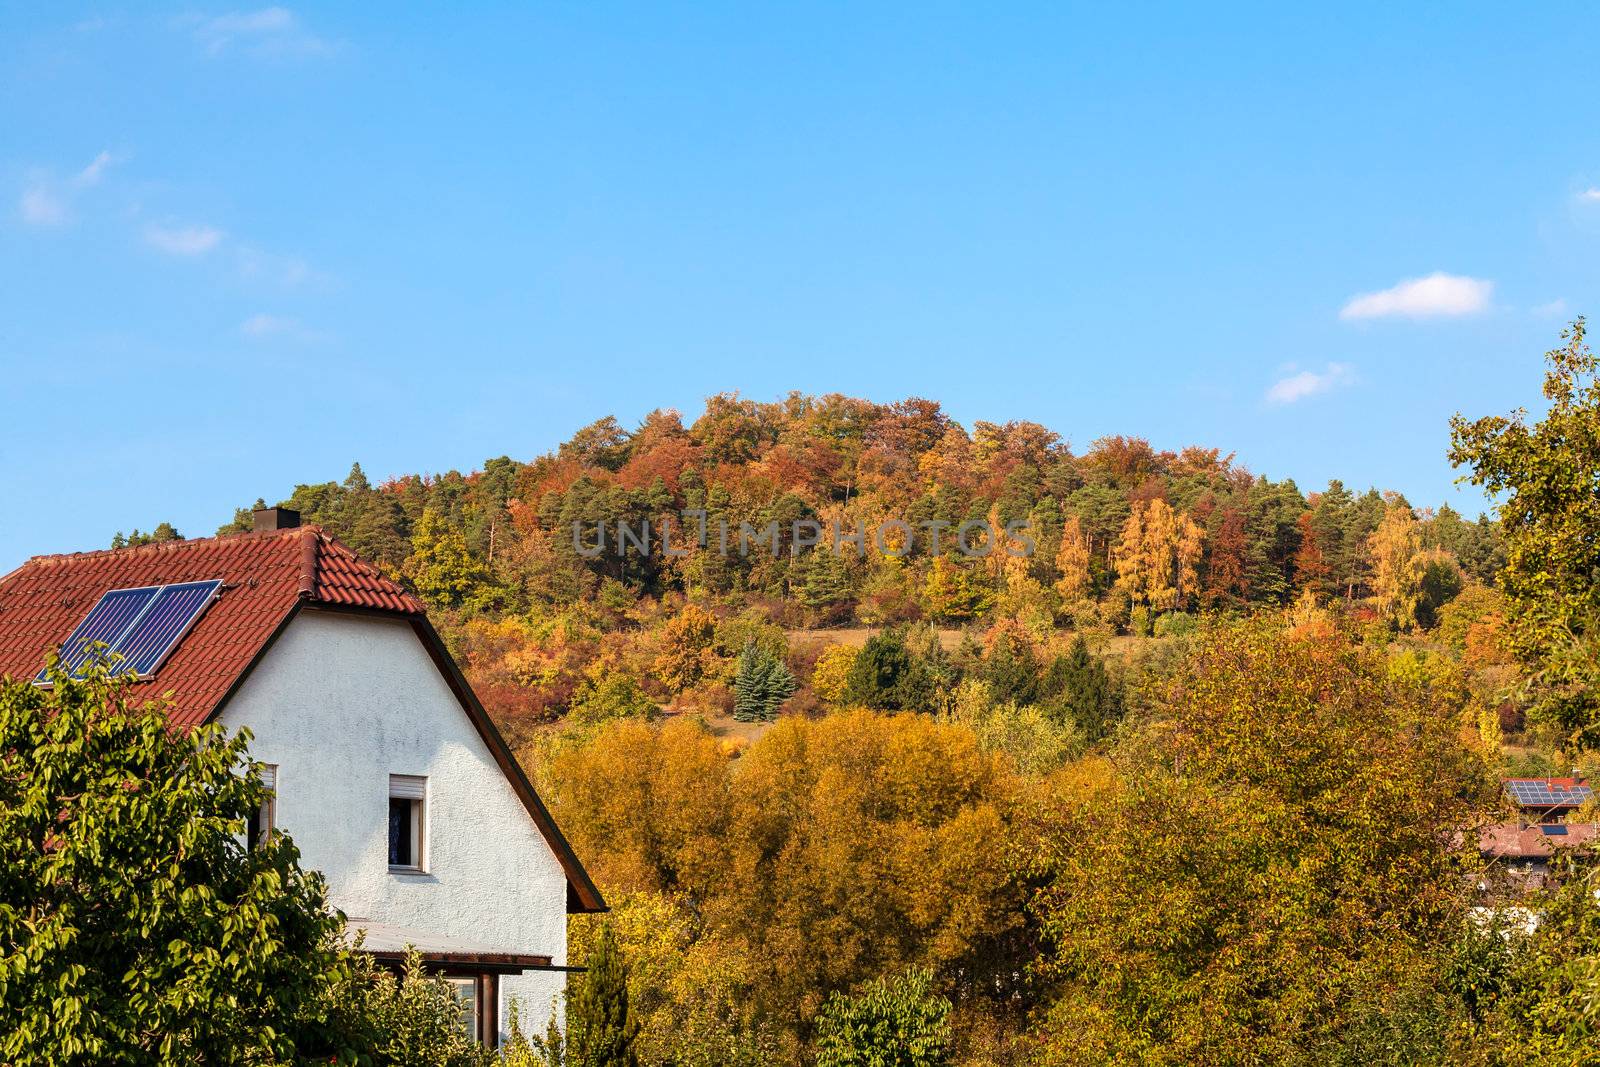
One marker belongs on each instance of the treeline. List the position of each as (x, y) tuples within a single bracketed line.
[(1117, 528)]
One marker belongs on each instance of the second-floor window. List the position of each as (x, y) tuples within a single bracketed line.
[(408, 798), (264, 819)]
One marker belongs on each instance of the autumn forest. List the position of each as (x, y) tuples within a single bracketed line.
[(1185, 766)]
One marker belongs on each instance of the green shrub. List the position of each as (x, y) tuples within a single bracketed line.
[(892, 1022)]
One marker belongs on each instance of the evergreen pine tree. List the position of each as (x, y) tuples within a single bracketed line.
[(601, 1031), (881, 673), (761, 684), (1083, 692)]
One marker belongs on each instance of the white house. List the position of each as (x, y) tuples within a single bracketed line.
[(385, 768)]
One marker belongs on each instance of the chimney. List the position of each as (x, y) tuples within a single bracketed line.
[(269, 519)]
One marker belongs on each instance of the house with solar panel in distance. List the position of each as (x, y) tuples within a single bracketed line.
[(1520, 854), (382, 763)]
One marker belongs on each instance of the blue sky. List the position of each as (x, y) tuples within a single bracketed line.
[(244, 246)]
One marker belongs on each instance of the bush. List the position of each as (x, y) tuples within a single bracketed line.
[(1139, 621), (831, 675), (413, 1019), (135, 926), (1175, 624), (892, 1022)]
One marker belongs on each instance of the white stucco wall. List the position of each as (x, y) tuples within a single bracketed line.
[(341, 702)]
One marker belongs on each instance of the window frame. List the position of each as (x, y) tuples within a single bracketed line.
[(412, 790), (266, 816), (485, 1014)]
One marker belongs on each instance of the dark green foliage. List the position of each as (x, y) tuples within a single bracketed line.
[(761, 684), (1011, 670), (825, 579), (1083, 692), (601, 1031), (893, 1022), (135, 927), (883, 674), (164, 531)]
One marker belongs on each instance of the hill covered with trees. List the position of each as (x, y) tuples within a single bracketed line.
[(1188, 767), (1119, 538)]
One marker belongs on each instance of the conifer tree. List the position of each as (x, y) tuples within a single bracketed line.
[(1083, 692), (762, 682), (601, 1029)]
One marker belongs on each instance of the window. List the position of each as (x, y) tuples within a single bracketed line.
[(264, 819), (466, 991), (479, 997), (408, 797)]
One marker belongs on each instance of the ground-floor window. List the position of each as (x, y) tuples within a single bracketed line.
[(479, 995)]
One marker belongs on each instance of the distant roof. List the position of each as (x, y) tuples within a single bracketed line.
[(1517, 841), (1548, 792), (264, 576)]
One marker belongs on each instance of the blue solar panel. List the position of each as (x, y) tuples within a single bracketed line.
[(163, 624), (105, 623), (141, 626), (1537, 794), (1553, 831)]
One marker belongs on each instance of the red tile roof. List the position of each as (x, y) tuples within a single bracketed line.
[(264, 576), (1522, 841)]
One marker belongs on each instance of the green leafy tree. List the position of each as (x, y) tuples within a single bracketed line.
[(442, 568), (893, 1022), (1549, 477), (135, 926), (613, 695), (601, 1030), (761, 683), (1269, 861), (411, 1018), (1543, 1009)]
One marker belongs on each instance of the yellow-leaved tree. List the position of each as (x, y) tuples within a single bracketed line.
[(1394, 550), (1072, 562), (1158, 556)]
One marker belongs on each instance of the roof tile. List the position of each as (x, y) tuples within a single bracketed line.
[(263, 577)]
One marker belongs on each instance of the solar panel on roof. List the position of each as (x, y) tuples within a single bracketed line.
[(1553, 831), (1537, 794), (106, 622), (141, 626), (164, 623)]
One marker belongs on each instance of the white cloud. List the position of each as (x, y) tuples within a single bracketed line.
[(1590, 195), (289, 272), (96, 170), (183, 240), (1555, 307), (263, 327), (1437, 294), (1297, 387), (269, 31), (47, 200), (41, 206)]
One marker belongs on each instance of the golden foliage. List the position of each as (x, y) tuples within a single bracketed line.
[(1158, 555), (1394, 551)]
